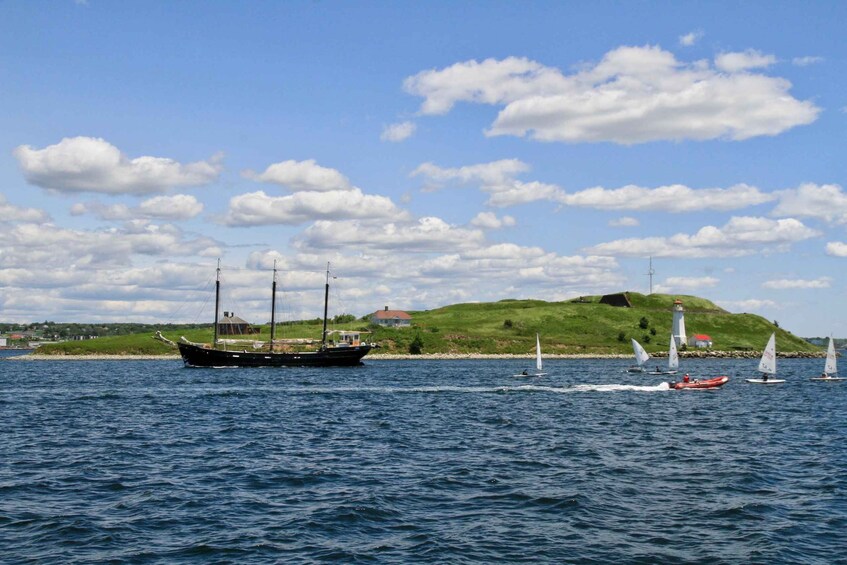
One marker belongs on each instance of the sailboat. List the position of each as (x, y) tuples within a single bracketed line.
[(767, 365), (830, 370), (349, 350), (641, 357), (539, 365), (673, 360)]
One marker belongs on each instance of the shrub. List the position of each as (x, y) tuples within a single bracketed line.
[(643, 323), (652, 331), (646, 338), (416, 346), (507, 324), (621, 336)]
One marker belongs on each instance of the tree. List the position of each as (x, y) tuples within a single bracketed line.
[(416, 346)]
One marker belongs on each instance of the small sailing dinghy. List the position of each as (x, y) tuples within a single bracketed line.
[(539, 366), (641, 357), (830, 370), (673, 361), (767, 365)]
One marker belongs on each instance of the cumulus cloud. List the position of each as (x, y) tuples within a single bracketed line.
[(302, 176), (28, 245), (672, 198), (743, 61), (11, 213), (633, 95), (172, 208), (624, 222), (826, 202), (739, 237), (806, 61), (498, 179), (259, 208), (794, 284), (490, 221), (683, 284), (495, 178), (836, 249), (751, 305), (690, 38), (428, 234), (398, 132), (87, 164)]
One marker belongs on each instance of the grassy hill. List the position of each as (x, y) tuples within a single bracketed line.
[(509, 326)]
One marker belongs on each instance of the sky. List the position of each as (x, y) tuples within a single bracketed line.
[(431, 153)]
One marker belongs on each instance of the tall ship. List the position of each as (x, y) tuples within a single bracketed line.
[(346, 348)]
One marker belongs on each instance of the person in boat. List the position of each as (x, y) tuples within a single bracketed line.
[(524, 372), (686, 378), (765, 377), (824, 375)]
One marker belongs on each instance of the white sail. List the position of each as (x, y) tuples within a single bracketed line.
[(537, 353), (673, 356), (830, 366), (768, 362), (641, 356)]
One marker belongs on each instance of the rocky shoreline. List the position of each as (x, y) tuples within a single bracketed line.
[(440, 356)]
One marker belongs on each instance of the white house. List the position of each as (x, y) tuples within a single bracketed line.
[(391, 318), (700, 340)]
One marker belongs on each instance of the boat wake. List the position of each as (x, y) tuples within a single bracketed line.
[(506, 389)]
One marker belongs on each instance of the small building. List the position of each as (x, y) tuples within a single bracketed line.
[(620, 300), (231, 324), (701, 341), (391, 318)]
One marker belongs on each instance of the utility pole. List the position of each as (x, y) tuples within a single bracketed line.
[(650, 273)]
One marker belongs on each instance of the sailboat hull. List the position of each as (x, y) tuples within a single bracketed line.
[(829, 379), (197, 356), (767, 382)]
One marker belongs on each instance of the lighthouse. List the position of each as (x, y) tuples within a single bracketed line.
[(678, 331)]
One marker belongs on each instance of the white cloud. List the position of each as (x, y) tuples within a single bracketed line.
[(794, 284), (490, 221), (677, 284), (827, 202), (836, 249), (495, 178), (624, 222), (87, 164), (634, 95), (740, 236), (173, 208), (428, 234), (258, 208), (302, 176), (690, 38), (672, 198), (742, 61), (34, 245), (806, 61), (398, 132), (11, 213), (751, 305)]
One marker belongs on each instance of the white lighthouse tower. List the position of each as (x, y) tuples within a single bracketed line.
[(678, 331)]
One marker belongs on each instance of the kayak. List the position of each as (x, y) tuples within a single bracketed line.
[(701, 383)]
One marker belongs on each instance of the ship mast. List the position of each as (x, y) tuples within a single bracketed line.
[(326, 306), (273, 308), (217, 301)]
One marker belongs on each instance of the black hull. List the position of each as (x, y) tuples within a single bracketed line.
[(196, 356)]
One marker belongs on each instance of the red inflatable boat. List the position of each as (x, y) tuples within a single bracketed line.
[(701, 383)]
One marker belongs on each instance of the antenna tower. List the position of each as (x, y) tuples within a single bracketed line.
[(650, 273)]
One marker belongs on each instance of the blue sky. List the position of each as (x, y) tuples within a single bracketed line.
[(433, 153)]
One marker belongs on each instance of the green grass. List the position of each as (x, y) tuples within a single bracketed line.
[(565, 327)]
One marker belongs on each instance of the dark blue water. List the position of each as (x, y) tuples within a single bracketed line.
[(418, 461)]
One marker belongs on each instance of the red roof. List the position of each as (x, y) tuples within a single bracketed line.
[(391, 314), (702, 337)]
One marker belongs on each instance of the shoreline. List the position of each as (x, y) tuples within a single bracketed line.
[(438, 356)]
